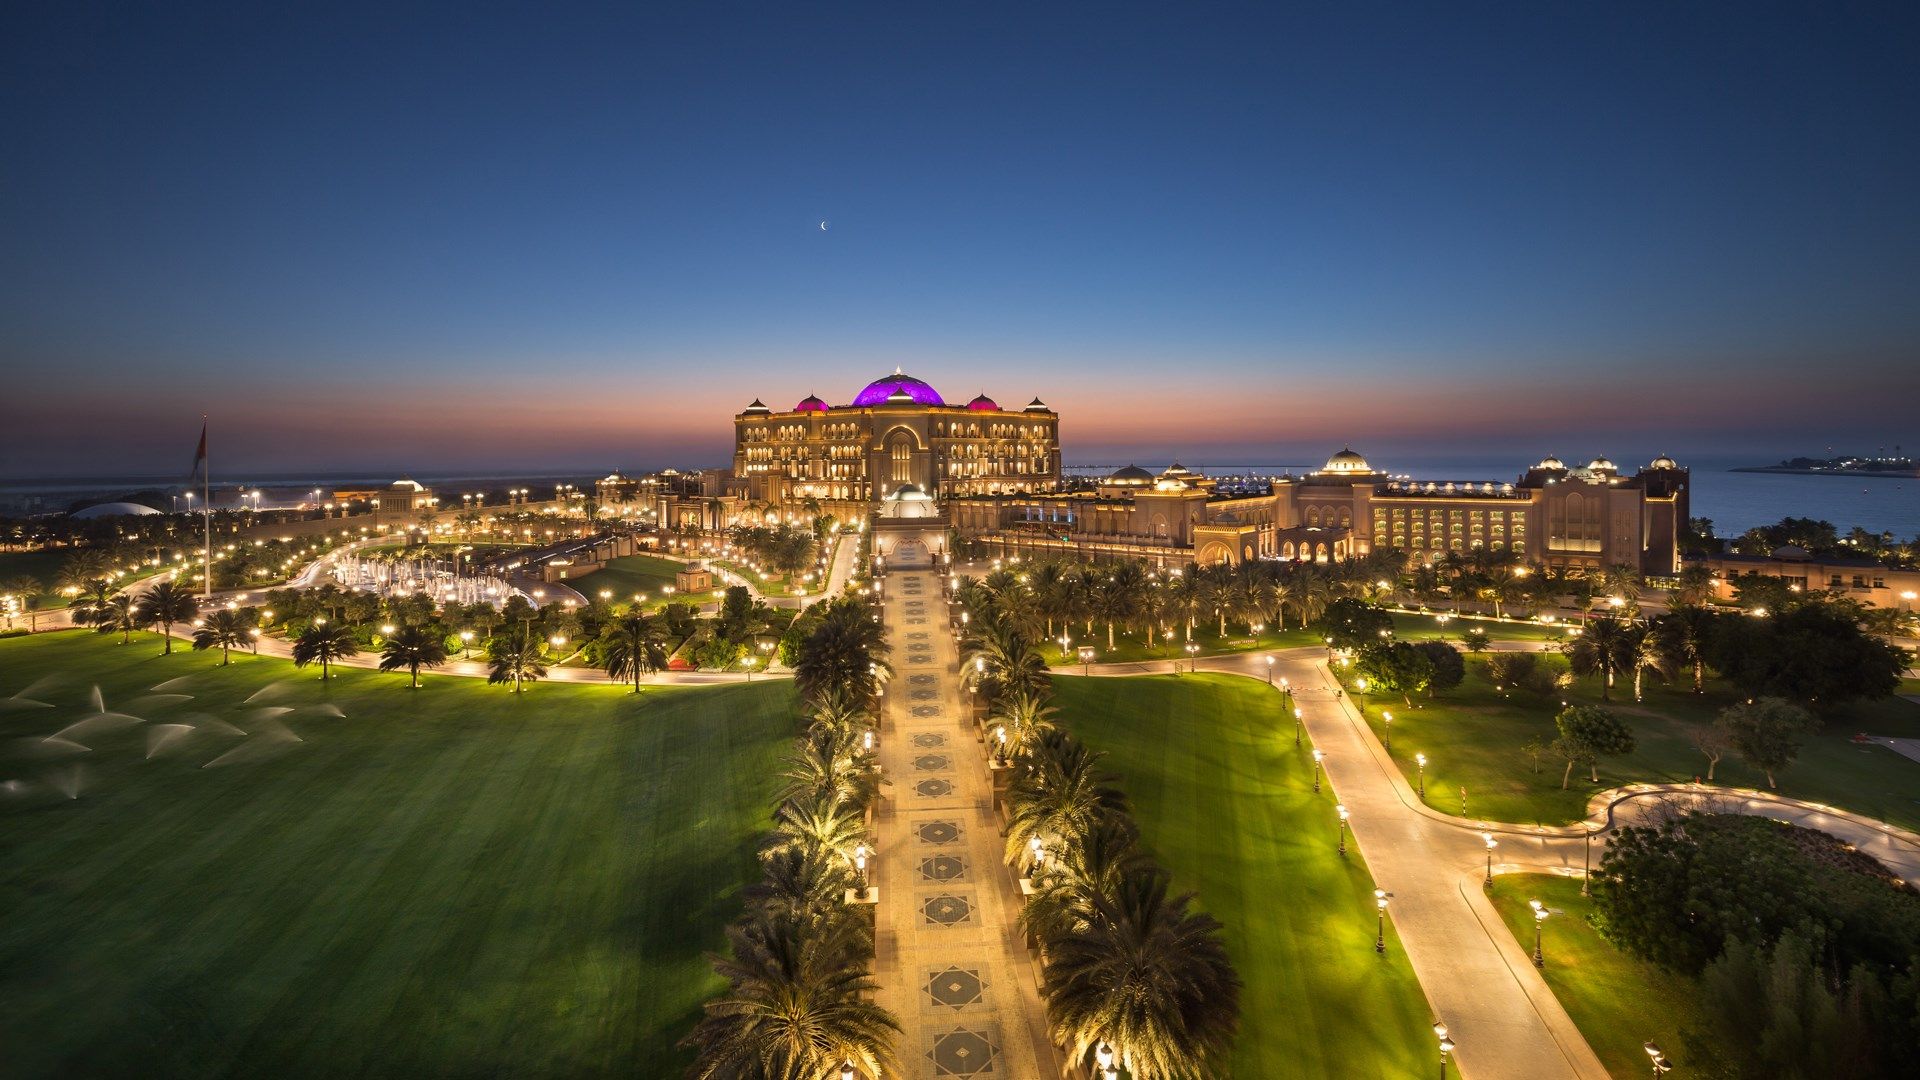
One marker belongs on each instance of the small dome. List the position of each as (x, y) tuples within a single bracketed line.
[(909, 493), (1551, 462), (810, 403), (1131, 474), (983, 403), (895, 389), (114, 509), (408, 485), (758, 406), (1346, 461), (1036, 405), (1664, 462), (1177, 469), (1599, 464)]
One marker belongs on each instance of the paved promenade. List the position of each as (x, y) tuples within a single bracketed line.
[(950, 960)]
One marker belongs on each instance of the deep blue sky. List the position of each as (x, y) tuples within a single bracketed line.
[(508, 235)]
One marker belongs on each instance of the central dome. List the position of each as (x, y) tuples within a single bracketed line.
[(879, 390)]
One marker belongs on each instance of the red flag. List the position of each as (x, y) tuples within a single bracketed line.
[(200, 455)]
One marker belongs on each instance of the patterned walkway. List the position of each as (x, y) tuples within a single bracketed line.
[(950, 960)]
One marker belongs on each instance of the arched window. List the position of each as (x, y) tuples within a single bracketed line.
[(900, 457)]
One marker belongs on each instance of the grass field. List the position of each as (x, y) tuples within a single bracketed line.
[(1473, 737), (44, 567), (632, 574), (1129, 648), (450, 881), (1228, 806), (1619, 1002), (771, 585)]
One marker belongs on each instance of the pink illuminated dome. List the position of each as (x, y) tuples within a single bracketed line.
[(983, 403), (897, 387), (810, 403)]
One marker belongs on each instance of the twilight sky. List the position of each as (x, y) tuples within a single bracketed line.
[(504, 236)]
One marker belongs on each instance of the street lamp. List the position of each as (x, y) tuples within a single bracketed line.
[(846, 1069), (1193, 657), (1421, 760), (860, 865), (1086, 659), (1380, 898), (1318, 757), (1661, 1065), (1341, 810), (1270, 671), (1491, 844), (1387, 719), (1539, 922), (1103, 1056), (1297, 714), (1446, 1047), (747, 662), (466, 644), (1039, 851)]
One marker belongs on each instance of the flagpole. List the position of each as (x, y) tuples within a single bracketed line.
[(206, 493)]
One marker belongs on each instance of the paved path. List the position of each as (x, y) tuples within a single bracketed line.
[(950, 960)]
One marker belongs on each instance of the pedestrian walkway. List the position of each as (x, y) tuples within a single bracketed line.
[(950, 959)]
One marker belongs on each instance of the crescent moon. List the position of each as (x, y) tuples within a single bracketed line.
[(823, 226)]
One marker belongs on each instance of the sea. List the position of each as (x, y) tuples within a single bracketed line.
[(1735, 501)]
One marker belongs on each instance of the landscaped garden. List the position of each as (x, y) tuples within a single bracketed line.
[(1230, 809), (250, 872), (633, 575)]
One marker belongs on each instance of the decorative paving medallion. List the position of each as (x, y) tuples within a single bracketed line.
[(962, 1052), (918, 635), (938, 832), (931, 762), (956, 987), (924, 711), (947, 910), (923, 694), (934, 789), (943, 868), (929, 738), (920, 680), (916, 622)]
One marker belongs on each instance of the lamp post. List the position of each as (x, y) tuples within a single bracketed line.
[(1661, 1064), (1360, 691), (846, 1069), (1386, 718), (1446, 1047), (1586, 861), (1297, 714), (1421, 760), (1000, 745), (1318, 757), (1491, 844), (1193, 657), (466, 644), (1539, 923), (1086, 659), (860, 866), (747, 662), (1039, 851), (1103, 1058), (1269, 671), (1340, 810), (1380, 898)]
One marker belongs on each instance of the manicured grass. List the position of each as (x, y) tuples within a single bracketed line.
[(1618, 1001), (631, 574), (1225, 800), (44, 566), (1131, 648), (771, 585), (450, 881), (1473, 737)]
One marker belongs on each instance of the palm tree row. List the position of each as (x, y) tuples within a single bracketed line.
[(1128, 969), (800, 959)]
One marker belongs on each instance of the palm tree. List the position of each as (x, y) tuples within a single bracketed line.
[(1024, 716), (117, 613), (223, 630), (1064, 896), (1061, 797), (1644, 653), (797, 1003), (325, 643), (1118, 596), (91, 602), (844, 652), (801, 882), (1183, 597), (631, 646), (413, 648), (1683, 631), (1147, 976), (840, 711), (1013, 664), (1696, 584), (517, 658), (166, 604), (1216, 592), (1601, 649), (829, 762), (821, 824)]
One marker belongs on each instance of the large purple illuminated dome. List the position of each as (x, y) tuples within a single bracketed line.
[(879, 390)]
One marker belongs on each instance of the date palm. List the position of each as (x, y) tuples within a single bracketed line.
[(846, 651), (166, 603), (820, 824), (1683, 633), (632, 646), (91, 601), (1147, 976), (801, 882), (324, 644), (412, 648), (117, 614), (830, 762), (1060, 797), (1063, 898), (840, 711), (1601, 649), (224, 630), (1007, 657), (518, 658), (797, 1004), (1643, 653), (1024, 715)]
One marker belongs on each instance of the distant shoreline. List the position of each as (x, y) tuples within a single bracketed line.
[(1797, 470)]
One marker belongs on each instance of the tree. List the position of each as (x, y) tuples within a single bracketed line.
[(1061, 797), (166, 604), (1354, 624), (1511, 668), (1683, 633), (1476, 640), (844, 652), (1398, 668), (224, 630), (1588, 733), (323, 643), (797, 1003), (1713, 743), (516, 657), (632, 646), (1148, 976), (1449, 669), (117, 614), (1642, 653), (1767, 732), (1601, 649), (1024, 716), (413, 647), (1809, 653)]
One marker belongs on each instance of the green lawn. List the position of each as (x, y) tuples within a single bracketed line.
[(1473, 737), (631, 574), (1131, 648), (1619, 1002), (450, 881), (44, 567), (771, 585), (1225, 799)]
